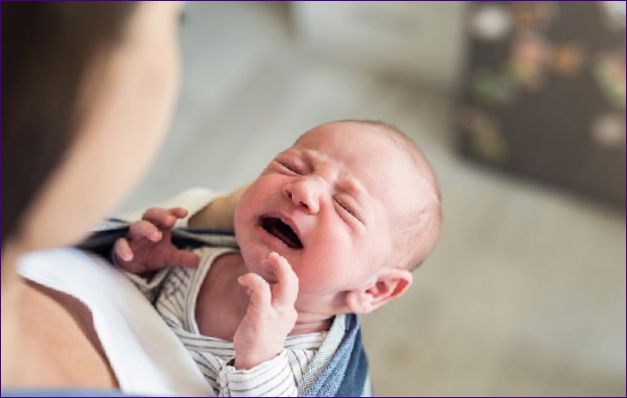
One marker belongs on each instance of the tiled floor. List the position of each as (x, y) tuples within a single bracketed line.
[(525, 293)]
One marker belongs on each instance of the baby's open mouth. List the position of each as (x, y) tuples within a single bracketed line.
[(274, 226)]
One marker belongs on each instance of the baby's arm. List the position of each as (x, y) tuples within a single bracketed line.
[(261, 366), (148, 246), (273, 378), (217, 214)]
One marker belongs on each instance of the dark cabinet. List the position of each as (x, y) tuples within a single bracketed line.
[(544, 93)]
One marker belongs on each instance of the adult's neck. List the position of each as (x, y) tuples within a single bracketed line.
[(9, 291), (11, 251)]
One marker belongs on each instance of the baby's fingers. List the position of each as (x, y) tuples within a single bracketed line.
[(286, 289), (178, 212), (144, 229), (122, 250), (258, 289), (183, 258), (164, 218)]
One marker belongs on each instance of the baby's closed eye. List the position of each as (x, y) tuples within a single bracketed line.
[(290, 167), (346, 206)]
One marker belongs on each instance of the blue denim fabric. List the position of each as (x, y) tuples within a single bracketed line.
[(347, 373)]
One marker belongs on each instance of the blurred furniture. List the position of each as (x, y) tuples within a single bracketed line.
[(544, 93), (417, 41)]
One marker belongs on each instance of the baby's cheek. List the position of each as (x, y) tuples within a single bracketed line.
[(319, 278), (253, 256)]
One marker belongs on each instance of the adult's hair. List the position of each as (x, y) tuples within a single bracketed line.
[(46, 50)]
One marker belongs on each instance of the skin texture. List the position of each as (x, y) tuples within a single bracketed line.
[(128, 97), (338, 194)]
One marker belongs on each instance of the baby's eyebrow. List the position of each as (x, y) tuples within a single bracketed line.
[(288, 151), (297, 152), (309, 154), (345, 181), (349, 184)]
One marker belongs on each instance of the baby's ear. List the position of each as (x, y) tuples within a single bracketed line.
[(390, 284)]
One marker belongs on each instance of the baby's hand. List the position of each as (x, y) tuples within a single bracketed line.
[(148, 246), (270, 316)]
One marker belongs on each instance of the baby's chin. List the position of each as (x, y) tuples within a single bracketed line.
[(254, 260)]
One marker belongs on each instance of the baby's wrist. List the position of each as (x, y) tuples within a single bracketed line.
[(250, 360)]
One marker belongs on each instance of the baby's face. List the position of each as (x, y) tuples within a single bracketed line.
[(327, 205)]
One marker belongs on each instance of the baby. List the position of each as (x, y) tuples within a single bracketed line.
[(334, 225)]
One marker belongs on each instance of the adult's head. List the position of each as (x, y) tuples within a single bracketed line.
[(87, 93)]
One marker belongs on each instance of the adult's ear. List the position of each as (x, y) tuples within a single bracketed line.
[(390, 283)]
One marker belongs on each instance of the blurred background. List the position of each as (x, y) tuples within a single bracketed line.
[(521, 110)]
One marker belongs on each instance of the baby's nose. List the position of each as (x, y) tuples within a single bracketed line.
[(304, 195)]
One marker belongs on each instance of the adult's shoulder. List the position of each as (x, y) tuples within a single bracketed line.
[(56, 341)]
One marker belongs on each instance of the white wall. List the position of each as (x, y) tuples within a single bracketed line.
[(419, 41)]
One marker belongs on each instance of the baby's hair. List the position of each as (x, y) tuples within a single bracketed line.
[(415, 236)]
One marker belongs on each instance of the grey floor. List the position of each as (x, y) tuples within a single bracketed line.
[(525, 293)]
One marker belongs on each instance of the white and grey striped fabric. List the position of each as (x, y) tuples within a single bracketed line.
[(174, 293)]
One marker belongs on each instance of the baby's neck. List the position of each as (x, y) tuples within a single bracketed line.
[(222, 302)]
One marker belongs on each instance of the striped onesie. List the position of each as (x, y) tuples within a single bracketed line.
[(174, 293)]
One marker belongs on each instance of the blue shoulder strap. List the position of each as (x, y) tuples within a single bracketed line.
[(347, 373)]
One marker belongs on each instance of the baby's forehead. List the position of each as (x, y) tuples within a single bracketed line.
[(333, 131), (367, 149), (358, 141)]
